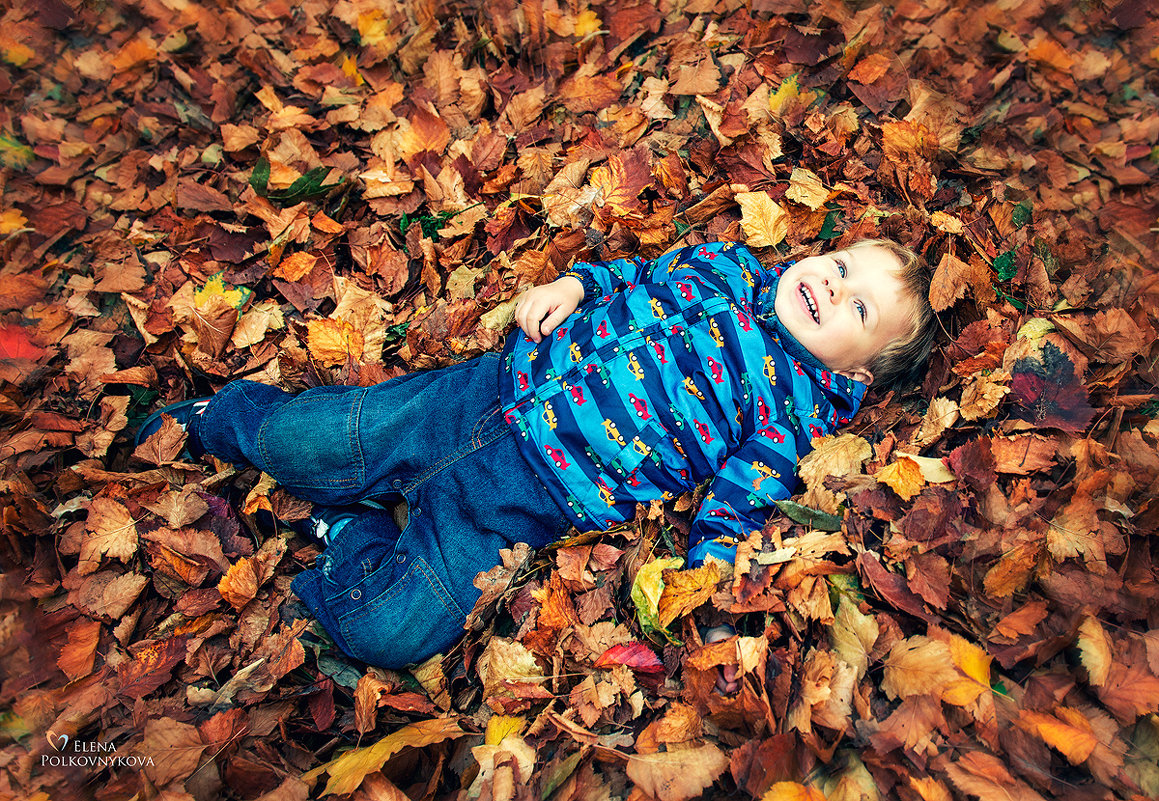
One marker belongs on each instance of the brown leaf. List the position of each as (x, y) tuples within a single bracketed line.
[(174, 750), (164, 444), (78, 656), (677, 775), (111, 531)]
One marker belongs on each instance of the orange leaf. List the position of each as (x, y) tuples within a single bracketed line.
[(240, 583), (296, 266), (917, 666), (903, 476), (333, 342), (792, 791), (1070, 732), (77, 657), (348, 771), (684, 590)]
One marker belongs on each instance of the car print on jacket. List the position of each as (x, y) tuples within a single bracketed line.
[(678, 383)]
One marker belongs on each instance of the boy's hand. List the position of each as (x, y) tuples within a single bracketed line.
[(542, 308), (726, 681)]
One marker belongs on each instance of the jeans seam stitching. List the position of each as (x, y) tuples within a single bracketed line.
[(458, 455)]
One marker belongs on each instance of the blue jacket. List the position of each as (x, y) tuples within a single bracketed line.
[(671, 373)]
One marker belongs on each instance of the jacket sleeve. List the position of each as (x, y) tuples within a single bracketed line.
[(741, 495), (608, 277)]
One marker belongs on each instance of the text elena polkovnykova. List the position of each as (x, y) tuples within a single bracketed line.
[(71, 753)]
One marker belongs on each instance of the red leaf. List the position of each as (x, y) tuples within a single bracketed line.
[(635, 655)]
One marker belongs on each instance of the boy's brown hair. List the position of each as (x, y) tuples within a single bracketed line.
[(903, 361)]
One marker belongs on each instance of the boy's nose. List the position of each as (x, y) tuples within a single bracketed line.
[(835, 288)]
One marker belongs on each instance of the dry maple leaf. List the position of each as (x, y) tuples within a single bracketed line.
[(764, 222), (917, 666), (677, 775)]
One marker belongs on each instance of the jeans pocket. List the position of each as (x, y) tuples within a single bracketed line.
[(410, 619), (312, 442)]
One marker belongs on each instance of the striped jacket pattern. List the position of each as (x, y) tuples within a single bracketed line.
[(666, 377)]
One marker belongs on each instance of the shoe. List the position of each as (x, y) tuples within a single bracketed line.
[(325, 522), (183, 412)]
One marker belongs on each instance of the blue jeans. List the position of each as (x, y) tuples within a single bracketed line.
[(437, 439)]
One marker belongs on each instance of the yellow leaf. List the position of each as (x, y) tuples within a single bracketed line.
[(1035, 329), (930, 789), (685, 590), (332, 342), (788, 94), (903, 476), (16, 53), (13, 152), (372, 27), (841, 455), (1095, 651), (791, 791), (217, 287), (917, 666), (1070, 733), (347, 771), (499, 726), (648, 588), (975, 665), (11, 220), (587, 23), (350, 69), (764, 222), (806, 188)]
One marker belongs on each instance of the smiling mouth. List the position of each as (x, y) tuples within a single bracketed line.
[(810, 303)]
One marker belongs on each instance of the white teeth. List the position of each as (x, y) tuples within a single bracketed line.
[(809, 302)]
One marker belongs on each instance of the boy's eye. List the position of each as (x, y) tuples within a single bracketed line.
[(840, 267), (861, 310)]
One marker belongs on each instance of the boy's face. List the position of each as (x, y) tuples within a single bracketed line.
[(845, 307)]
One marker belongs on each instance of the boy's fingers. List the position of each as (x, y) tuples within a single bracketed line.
[(557, 316)]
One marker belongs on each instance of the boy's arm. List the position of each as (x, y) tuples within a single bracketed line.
[(741, 495)]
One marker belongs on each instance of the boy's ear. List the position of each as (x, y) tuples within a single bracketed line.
[(862, 374)]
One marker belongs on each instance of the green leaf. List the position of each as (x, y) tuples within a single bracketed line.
[(646, 592), (559, 774), (260, 177), (1022, 213), (809, 516), (1005, 267), (307, 187), (14, 153), (829, 228)]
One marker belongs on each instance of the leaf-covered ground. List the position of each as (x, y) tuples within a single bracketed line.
[(339, 192)]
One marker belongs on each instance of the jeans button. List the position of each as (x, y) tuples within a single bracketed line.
[(415, 512), (396, 483), (400, 558), (355, 595)]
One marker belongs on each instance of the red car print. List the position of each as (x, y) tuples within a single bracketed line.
[(577, 395), (523, 383), (557, 457), (659, 348), (602, 331), (559, 332), (705, 434), (762, 411), (743, 319), (685, 290), (717, 370), (640, 406), (815, 432)]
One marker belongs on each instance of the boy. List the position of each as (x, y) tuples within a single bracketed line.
[(701, 365)]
